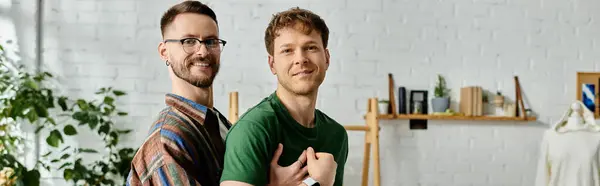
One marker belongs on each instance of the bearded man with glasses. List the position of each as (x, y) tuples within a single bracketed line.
[(206, 61), (185, 144)]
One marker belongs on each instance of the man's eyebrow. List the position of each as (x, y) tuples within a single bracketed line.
[(190, 35), (197, 36), (311, 42), (285, 45), (289, 44)]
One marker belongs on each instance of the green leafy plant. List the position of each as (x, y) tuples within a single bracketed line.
[(440, 89), (24, 100), (97, 115)]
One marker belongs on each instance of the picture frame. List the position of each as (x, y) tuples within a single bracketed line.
[(588, 91), (418, 97)]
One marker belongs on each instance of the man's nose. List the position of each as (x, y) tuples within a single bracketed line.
[(202, 50), (300, 57)]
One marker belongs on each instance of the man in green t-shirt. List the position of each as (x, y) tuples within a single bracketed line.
[(305, 144)]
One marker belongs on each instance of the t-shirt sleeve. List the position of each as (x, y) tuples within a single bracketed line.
[(339, 176), (247, 154)]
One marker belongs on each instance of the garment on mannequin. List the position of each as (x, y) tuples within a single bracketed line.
[(570, 150), (575, 121), (576, 118)]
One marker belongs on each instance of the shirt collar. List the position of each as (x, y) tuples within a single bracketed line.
[(195, 110), (283, 111), (589, 122)]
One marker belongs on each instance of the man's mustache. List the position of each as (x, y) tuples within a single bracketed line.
[(201, 59)]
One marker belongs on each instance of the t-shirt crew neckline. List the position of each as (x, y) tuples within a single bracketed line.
[(282, 110)]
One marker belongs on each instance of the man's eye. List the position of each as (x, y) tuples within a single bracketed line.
[(189, 41), (286, 51), (211, 42), (312, 48)]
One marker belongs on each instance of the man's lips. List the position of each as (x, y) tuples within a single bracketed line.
[(303, 72), (201, 64)]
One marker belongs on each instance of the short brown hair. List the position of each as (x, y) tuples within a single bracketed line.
[(185, 7), (307, 20)]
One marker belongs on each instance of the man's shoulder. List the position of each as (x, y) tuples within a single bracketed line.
[(169, 129), (260, 114), (328, 120), (154, 154), (167, 124), (170, 126), (331, 124), (172, 140), (257, 122), (148, 157), (172, 119)]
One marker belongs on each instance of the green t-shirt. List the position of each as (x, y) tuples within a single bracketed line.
[(251, 142)]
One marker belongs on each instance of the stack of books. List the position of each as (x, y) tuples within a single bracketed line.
[(471, 101)]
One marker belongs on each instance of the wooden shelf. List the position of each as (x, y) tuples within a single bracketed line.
[(452, 117)]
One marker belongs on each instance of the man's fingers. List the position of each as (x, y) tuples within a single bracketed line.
[(320, 155), (302, 175), (302, 158), (303, 171), (278, 152), (310, 153), (300, 162)]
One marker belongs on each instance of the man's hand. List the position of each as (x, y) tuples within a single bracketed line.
[(321, 167), (287, 176)]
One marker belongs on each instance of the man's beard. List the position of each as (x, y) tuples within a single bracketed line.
[(182, 70)]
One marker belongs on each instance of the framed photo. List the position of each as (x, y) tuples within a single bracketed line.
[(418, 102), (588, 89)]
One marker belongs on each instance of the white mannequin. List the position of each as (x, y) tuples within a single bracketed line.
[(570, 151), (577, 118), (575, 121)]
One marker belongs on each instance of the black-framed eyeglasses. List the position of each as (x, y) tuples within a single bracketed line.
[(192, 45)]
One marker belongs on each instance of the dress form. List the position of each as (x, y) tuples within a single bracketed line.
[(577, 118), (570, 151), (575, 121)]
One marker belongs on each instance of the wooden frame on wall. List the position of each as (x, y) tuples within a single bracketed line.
[(588, 84)]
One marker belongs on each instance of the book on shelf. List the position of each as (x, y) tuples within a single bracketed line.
[(471, 101)]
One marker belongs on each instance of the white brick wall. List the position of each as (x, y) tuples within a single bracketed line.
[(482, 42)]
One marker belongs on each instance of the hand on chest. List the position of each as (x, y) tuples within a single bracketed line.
[(292, 152), (295, 142)]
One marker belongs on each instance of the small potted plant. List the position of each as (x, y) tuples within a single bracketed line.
[(499, 99), (383, 106), (441, 100)]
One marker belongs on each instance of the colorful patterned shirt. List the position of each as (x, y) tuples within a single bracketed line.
[(185, 146)]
